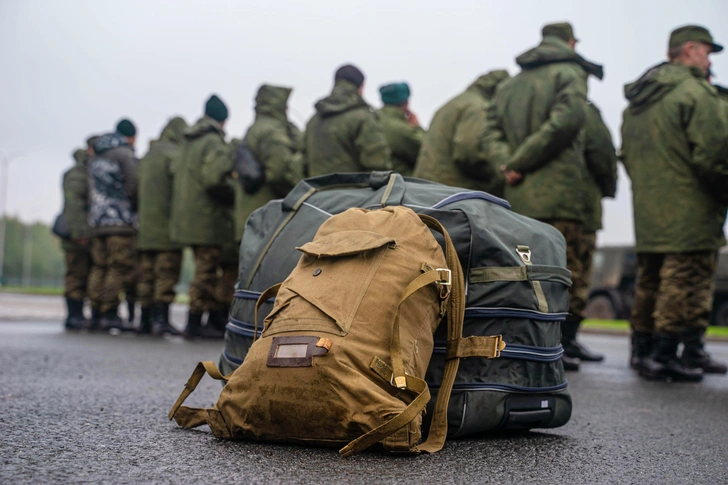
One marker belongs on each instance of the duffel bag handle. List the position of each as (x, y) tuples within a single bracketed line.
[(374, 180)]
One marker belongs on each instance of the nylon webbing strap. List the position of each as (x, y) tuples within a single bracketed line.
[(488, 347), (415, 385), (267, 294), (388, 190), (193, 417), (543, 304), (455, 316), (492, 274)]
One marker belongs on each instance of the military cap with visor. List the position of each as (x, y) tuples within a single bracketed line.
[(694, 33), (562, 30)]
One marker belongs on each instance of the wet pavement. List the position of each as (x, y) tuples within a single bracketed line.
[(92, 408)]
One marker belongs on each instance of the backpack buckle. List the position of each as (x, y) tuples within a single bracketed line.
[(399, 382), (445, 277)]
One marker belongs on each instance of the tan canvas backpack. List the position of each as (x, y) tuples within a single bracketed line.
[(343, 354)]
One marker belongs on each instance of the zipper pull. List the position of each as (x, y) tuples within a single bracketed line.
[(525, 253)]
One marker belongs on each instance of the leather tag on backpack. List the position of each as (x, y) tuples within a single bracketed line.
[(296, 351)]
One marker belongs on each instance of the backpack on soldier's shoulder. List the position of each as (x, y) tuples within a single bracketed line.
[(343, 354)]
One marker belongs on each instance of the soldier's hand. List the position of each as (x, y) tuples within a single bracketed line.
[(512, 177), (82, 241), (412, 118)]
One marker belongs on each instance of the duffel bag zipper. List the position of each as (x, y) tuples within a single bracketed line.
[(506, 388), (522, 352)]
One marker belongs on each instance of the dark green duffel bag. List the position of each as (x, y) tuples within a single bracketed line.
[(516, 279)]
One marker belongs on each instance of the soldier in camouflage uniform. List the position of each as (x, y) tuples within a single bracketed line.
[(77, 253), (401, 127), (536, 134), (675, 150), (202, 200), (160, 260), (112, 193), (451, 152), (601, 164), (345, 134)]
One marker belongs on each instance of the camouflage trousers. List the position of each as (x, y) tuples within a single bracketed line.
[(159, 272), (582, 281), (114, 271), (571, 230), (674, 292), (226, 288), (205, 287), (78, 268)]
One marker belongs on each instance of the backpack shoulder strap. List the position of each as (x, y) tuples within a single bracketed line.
[(193, 417)]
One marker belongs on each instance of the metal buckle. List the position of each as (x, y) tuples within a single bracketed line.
[(398, 382), (444, 282), (498, 345), (525, 253)]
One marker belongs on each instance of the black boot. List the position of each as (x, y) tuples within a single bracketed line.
[(131, 306), (570, 365), (110, 321), (75, 319), (145, 320), (194, 326), (572, 348), (95, 322), (161, 325), (215, 327), (642, 343), (694, 355), (664, 364)]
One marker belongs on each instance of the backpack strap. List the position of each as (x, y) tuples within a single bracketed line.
[(396, 375), (193, 417), (267, 294)]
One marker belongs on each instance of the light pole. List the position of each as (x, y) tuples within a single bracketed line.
[(4, 200)]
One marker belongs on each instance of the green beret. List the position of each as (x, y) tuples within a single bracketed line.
[(693, 33), (395, 93), (216, 109), (562, 30), (126, 128)]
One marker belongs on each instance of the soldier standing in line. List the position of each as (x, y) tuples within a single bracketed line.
[(601, 163), (201, 202), (77, 252), (401, 127), (675, 150), (536, 134), (451, 152), (112, 189), (345, 134), (160, 260)]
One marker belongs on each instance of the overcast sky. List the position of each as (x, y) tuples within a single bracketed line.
[(71, 67)]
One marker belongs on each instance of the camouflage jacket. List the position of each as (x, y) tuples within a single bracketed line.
[(601, 163), (451, 152), (403, 139), (276, 144), (345, 135), (156, 174), (535, 127), (202, 198), (75, 201), (675, 150), (112, 187)]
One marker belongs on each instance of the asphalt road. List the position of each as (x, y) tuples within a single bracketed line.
[(92, 408)]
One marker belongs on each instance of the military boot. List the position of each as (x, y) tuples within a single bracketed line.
[(110, 321), (215, 327), (663, 363), (572, 348), (95, 322), (641, 348), (570, 364), (161, 325), (145, 320), (194, 326), (75, 319), (131, 307), (694, 355)]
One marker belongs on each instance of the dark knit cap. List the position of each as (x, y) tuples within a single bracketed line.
[(350, 73), (395, 93), (126, 128), (216, 109)]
